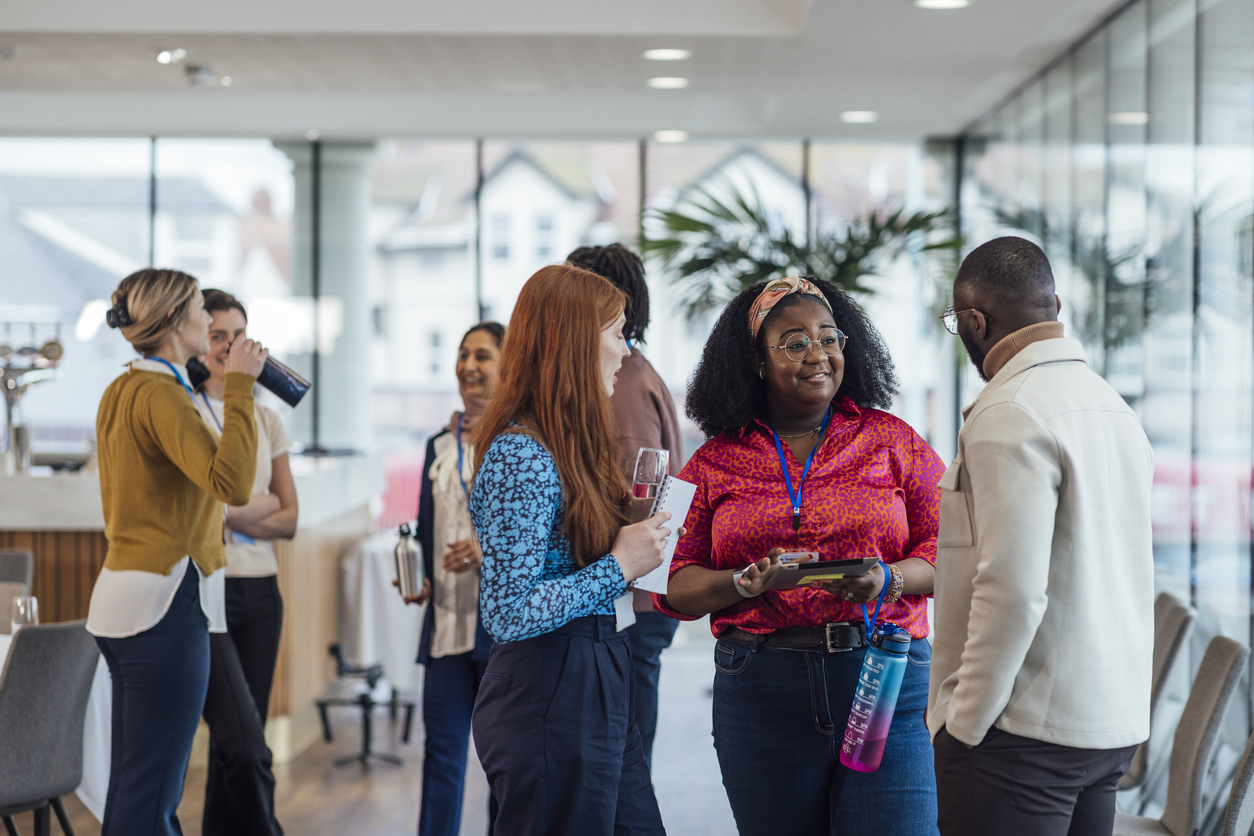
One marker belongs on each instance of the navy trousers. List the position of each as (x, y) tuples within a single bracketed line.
[(159, 682), (779, 721), (448, 699), (555, 732), (239, 787), (649, 636)]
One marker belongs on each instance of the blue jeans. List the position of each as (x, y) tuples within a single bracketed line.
[(779, 719), (159, 681), (448, 698), (649, 636)]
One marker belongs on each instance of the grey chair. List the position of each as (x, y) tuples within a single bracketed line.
[(17, 566), (43, 700), (1173, 623), (1194, 743), (1239, 819)]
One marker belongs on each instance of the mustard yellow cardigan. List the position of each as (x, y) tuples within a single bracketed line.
[(163, 474)]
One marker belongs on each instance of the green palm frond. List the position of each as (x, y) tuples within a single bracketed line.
[(716, 247)]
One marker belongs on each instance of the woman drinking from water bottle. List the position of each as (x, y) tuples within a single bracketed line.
[(164, 477), (800, 458)]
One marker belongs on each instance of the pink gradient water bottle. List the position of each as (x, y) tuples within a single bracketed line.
[(876, 698)]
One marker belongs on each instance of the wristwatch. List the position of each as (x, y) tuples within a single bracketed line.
[(736, 576)]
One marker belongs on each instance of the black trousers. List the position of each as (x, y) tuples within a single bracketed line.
[(554, 728), (1012, 784), (239, 789)]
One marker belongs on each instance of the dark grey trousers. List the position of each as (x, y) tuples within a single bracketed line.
[(1011, 784)]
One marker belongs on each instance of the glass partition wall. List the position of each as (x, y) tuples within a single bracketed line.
[(1130, 159)]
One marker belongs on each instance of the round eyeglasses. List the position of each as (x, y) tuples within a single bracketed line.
[(950, 318), (796, 347)]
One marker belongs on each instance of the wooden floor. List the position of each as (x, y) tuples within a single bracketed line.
[(316, 798)]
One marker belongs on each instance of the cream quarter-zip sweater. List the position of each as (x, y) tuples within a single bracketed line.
[(1044, 575)]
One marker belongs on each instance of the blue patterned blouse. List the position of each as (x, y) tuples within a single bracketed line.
[(530, 584)]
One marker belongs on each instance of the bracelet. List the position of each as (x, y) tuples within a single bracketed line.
[(744, 593), (897, 585)]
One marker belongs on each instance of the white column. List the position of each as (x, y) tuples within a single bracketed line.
[(344, 378)]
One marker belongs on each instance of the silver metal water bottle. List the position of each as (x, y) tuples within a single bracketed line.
[(408, 567)]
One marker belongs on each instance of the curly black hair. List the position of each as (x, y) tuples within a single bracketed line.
[(625, 269), (725, 392)]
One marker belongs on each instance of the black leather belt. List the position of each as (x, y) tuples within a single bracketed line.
[(840, 637)]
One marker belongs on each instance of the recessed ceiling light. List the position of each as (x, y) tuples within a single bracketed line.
[(859, 117), (312, 135), (668, 82), (1133, 117), (667, 54), (671, 136), (225, 81), (171, 56), (942, 4)]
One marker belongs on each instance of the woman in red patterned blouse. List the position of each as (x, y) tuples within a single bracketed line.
[(792, 375)]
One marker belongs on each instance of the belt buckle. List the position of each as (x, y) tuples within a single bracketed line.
[(827, 639)]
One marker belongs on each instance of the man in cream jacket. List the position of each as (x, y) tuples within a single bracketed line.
[(1040, 683)]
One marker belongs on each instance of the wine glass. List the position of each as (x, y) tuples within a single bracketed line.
[(25, 611), (651, 465)]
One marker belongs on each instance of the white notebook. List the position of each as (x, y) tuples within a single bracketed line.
[(674, 496)]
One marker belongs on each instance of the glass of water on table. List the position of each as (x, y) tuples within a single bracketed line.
[(651, 469), (25, 611)]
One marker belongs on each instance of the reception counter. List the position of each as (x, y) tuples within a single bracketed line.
[(59, 518)]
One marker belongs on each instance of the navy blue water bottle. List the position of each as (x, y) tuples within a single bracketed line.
[(879, 684)]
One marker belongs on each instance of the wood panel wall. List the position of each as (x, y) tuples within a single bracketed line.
[(66, 566)]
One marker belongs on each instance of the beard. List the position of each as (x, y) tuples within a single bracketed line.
[(976, 356)]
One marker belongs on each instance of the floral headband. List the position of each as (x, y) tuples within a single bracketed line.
[(775, 290)]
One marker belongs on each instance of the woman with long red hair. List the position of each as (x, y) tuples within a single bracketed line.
[(553, 722)]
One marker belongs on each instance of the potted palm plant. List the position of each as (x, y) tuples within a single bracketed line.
[(716, 246)]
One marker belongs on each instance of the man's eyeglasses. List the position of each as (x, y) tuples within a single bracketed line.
[(950, 318), (831, 342)]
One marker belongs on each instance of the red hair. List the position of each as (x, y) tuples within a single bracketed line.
[(551, 385)]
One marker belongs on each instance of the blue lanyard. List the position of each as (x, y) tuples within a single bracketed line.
[(783, 463), (175, 372), (465, 489), (867, 618), (216, 422)]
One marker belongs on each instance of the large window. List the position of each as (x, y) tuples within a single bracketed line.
[(1148, 189)]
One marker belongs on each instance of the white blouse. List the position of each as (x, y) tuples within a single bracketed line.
[(128, 602)]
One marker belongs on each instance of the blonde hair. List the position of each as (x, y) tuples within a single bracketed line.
[(150, 305)]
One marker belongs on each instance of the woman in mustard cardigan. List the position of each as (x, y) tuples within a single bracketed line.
[(163, 480)]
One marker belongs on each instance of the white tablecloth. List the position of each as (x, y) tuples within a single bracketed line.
[(376, 625), (97, 736)]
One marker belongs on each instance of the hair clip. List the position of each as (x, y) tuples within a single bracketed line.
[(118, 316)]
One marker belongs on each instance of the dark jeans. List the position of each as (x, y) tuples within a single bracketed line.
[(1012, 784), (159, 681), (448, 699), (649, 636), (239, 787), (779, 721), (553, 727)]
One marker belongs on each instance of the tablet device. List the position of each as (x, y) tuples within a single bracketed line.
[(790, 575)]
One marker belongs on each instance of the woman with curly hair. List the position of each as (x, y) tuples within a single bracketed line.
[(800, 457)]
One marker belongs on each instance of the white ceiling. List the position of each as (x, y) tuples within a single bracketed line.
[(504, 68)]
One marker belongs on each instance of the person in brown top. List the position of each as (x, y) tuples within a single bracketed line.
[(644, 414), (163, 480)]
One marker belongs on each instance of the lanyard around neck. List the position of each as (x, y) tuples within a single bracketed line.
[(465, 489), (212, 414), (795, 496), (177, 377)]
